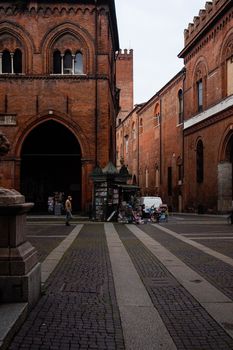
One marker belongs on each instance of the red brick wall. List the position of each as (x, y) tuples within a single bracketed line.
[(124, 81), (206, 57), (35, 93)]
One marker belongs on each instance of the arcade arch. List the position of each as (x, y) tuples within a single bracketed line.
[(225, 174), (50, 162)]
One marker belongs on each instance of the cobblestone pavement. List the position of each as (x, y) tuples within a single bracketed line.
[(46, 237), (214, 270), (79, 309), (188, 323)]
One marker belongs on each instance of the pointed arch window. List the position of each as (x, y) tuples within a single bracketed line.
[(141, 126), (230, 76), (133, 131), (156, 118), (57, 62), (17, 62), (67, 63), (11, 62), (6, 62), (200, 95), (180, 106), (78, 63), (200, 162)]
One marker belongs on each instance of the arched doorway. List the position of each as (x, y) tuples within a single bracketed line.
[(225, 176), (50, 162)]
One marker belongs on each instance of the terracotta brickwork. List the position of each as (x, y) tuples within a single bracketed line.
[(208, 57), (185, 131), (124, 76), (83, 102)]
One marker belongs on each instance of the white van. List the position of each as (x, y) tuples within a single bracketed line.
[(149, 203)]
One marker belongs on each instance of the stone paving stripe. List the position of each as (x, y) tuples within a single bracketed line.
[(211, 238), (11, 315), (199, 246), (141, 323), (52, 260), (43, 236), (219, 306)]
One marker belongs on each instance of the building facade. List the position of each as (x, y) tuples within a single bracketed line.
[(58, 96), (184, 150), (208, 109)]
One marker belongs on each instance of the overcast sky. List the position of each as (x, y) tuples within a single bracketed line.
[(154, 29)]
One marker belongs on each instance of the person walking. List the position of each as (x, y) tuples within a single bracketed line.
[(68, 209)]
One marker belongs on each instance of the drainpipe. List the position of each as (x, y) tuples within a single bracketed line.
[(160, 146), (96, 84), (138, 150), (183, 144)]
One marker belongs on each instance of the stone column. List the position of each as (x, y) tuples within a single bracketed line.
[(20, 274)]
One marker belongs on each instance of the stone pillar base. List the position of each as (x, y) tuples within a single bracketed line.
[(25, 288)]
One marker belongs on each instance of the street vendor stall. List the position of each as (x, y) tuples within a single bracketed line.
[(110, 189)]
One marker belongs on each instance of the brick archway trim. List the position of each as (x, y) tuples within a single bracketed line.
[(66, 28), (24, 37), (224, 143), (63, 119)]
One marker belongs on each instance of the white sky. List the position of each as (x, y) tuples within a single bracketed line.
[(154, 29)]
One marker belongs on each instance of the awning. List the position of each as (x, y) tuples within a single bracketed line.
[(126, 187)]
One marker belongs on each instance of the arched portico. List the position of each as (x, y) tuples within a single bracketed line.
[(50, 162), (225, 174)]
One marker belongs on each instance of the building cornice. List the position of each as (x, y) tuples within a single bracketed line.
[(200, 33), (220, 111)]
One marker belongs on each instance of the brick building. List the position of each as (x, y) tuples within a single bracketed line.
[(58, 96), (208, 109), (184, 132)]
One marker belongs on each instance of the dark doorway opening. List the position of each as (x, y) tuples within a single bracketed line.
[(50, 162)]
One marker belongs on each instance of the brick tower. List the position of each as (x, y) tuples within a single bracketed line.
[(124, 82)]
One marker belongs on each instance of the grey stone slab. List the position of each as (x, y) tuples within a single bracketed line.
[(141, 322), (12, 316), (152, 333)]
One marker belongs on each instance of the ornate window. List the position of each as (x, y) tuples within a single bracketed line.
[(141, 126), (200, 95), (11, 62), (156, 118), (67, 63), (78, 63), (230, 76), (200, 87), (228, 58), (57, 62), (199, 162), (180, 106), (133, 131), (17, 61)]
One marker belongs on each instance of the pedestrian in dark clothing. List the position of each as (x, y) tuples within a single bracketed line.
[(68, 209)]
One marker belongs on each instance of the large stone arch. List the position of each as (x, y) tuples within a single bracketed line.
[(85, 39), (62, 118), (82, 164), (225, 172)]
